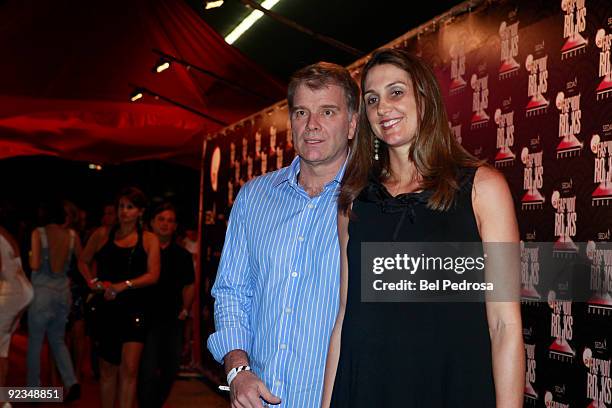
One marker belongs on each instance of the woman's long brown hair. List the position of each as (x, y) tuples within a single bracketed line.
[(435, 152)]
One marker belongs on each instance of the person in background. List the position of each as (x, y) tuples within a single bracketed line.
[(127, 263), (173, 294), (52, 248), (79, 290), (109, 215), (108, 219), (189, 241), (15, 295)]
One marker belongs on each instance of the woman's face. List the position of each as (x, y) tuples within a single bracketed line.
[(127, 211), (390, 104)]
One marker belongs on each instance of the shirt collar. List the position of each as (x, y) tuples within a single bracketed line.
[(289, 174)]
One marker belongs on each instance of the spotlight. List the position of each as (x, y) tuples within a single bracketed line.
[(249, 21), (94, 166), (212, 4), (136, 95), (161, 65)]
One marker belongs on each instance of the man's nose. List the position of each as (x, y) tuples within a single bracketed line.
[(313, 123)]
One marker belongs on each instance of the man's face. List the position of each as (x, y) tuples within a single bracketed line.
[(164, 224), (321, 125)]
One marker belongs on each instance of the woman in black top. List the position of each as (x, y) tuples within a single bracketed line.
[(408, 180), (127, 261)]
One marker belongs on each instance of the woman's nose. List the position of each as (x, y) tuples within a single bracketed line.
[(383, 107)]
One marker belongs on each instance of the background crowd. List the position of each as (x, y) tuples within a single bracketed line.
[(64, 272)]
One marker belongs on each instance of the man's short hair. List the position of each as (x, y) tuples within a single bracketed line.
[(323, 74), (163, 207)]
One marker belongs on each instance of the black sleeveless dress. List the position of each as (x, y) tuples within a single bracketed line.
[(407, 355), (124, 318)]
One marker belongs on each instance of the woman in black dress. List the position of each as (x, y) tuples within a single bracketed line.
[(127, 261), (408, 180)]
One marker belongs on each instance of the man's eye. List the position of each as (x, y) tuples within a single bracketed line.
[(299, 113), (328, 112)]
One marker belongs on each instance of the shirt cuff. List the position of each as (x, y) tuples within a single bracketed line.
[(223, 341)]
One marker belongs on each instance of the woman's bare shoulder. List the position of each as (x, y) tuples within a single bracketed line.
[(149, 238)]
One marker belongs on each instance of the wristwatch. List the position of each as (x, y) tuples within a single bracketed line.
[(129, 284)]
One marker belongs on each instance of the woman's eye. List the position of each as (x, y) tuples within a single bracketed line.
[(397, 92), (371, 100)]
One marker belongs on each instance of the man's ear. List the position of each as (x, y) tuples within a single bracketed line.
[(353, 125)]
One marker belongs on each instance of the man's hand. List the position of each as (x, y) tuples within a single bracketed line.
[(247, 390)]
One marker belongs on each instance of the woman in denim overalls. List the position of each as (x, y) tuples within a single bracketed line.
[(52, 248)]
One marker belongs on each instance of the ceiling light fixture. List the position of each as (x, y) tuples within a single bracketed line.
[(161, 65), (140, 91), (265, 9), (249, 21), (166, 59), (136, 95), (212, 4)]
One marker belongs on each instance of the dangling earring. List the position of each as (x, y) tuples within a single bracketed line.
[(376, 148)]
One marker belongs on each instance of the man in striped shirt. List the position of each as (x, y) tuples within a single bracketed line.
[(277, 287)]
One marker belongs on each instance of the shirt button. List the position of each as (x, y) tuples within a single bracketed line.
[(278, 382), (310, 206), (294, 274), (283, 346), (287, 310), (300, 238)]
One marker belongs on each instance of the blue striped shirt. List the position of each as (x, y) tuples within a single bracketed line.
[(278, 283)]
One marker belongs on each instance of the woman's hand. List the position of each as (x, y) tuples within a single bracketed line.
[(96, 286), (112, 290)]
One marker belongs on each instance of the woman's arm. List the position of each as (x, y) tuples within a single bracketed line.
[(494, 211), (333, 354), (35, 251), (77, 246), (11, 242), (86, 255), (188, 295), (150, 277)]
